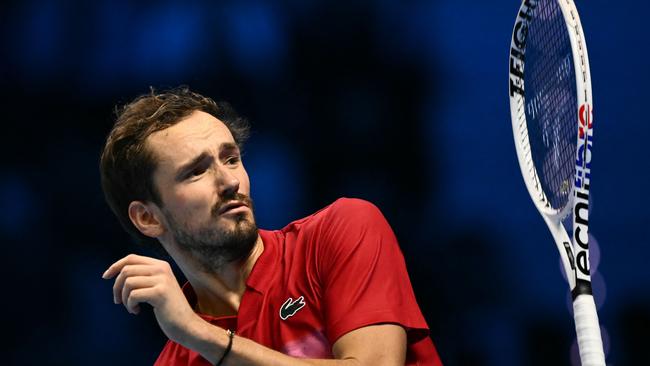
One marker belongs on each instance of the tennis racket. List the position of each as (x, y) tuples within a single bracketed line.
[(552, 123)]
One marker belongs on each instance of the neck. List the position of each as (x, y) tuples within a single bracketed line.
[(219, 292)]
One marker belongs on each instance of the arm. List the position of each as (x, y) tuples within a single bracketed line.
[(372, 345), (141, 279)]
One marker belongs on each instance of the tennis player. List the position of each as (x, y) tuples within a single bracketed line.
[(329, 289)]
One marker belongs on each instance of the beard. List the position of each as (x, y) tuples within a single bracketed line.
[(217, 245)]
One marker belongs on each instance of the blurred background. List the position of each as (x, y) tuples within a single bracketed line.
[(403, 103)]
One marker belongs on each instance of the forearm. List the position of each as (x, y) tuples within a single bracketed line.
[(211, 341), (147, 280)]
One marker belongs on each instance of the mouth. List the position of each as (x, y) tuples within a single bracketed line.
[(232, 207)]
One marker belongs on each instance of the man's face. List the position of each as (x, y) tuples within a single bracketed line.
[(204, 190)]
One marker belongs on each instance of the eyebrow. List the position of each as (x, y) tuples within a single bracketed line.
[(183, 169), (180, 173), (228, 146)]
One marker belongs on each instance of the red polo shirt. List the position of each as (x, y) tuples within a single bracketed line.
[(318, 278)]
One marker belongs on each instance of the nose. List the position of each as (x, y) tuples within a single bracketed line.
[(227, 182)]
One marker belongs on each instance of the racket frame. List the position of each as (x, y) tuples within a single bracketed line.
[(574, 250)]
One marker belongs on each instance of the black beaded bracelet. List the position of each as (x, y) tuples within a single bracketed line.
[(231, 335)]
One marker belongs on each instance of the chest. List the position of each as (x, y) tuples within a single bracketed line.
[(287, 314)]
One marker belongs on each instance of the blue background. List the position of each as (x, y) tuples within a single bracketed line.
[(401, 103)]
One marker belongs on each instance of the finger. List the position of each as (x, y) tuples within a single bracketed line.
[(116, 267), (153, 267), (140, 295), (127, 271), (134, 284)]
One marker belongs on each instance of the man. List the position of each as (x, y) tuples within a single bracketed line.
[(329, 289)]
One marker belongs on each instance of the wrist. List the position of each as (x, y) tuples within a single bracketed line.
[(208, 340), (231, 336)]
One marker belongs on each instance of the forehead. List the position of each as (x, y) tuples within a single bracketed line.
[(193, 135)]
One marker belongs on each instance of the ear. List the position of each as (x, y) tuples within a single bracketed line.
[(145, 218)]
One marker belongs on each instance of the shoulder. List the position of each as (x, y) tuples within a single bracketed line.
[(351, 211), (352, 226), (353, 206), (353, 215), (345, 226), (344, 212)]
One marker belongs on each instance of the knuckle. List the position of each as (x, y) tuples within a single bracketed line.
[(158, 291), (165, 266), (133, 297), (126, 270), (128, 284)]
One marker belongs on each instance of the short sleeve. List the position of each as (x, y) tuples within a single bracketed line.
[(363, 273)]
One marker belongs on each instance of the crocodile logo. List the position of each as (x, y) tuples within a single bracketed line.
[(291, 307)]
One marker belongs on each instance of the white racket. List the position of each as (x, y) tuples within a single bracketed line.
[(551, 110)]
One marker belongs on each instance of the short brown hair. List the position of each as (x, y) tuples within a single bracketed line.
[(127, 166)]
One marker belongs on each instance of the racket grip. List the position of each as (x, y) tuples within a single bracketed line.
[(588, 331)]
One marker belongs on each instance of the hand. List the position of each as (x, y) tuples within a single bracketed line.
[(144, 279)]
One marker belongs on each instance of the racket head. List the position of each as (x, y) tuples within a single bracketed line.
[(551, 110), (549, 82)]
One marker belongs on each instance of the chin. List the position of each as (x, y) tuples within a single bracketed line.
[(237, 222)]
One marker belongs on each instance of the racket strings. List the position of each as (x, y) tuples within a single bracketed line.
[(551, 105)]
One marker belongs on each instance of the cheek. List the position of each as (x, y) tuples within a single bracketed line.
[(190, 201)]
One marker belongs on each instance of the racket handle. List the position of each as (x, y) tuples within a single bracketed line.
[(588, 331)]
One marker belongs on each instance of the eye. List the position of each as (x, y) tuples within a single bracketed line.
[(233, 160), (196, 172)]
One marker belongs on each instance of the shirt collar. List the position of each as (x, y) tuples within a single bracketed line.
[(190, 295), (260, 277)]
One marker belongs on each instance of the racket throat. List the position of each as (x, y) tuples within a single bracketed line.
[(583, 287)]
